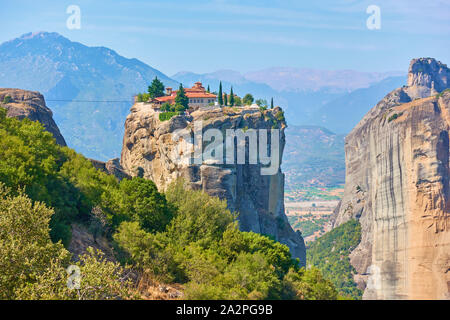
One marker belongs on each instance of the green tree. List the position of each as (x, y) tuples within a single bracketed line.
[(231, 97), (261, 102), (208, 90), (138, 200), (220, 94), (25, 245), (225, 100), (181, 98), (100, 280), (271, 103), (7, 99), (248, 99), (199, 217), (308, 285), (237, 101), (33, 267), (156, 89), (165, 107)]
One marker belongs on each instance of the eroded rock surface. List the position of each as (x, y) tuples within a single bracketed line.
[(149, 151), (397, 185), (111, 167), (31, 105)]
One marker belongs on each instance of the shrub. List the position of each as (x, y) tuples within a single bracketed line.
[(7, 99), (33, 267), (138, 200), (395, 116), (165, 116), (280, 116), (248, 99)]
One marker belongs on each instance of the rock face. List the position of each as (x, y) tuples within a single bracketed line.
[(30, 104), (111, 167), (397, 185), (149, 150)]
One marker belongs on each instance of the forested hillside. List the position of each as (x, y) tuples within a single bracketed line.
[(181, 236), (330, 254)]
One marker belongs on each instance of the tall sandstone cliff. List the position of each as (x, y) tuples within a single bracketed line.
[(397, 185), (31, 105), (149, 150)]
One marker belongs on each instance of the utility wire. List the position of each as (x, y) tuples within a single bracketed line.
[(97, 101)]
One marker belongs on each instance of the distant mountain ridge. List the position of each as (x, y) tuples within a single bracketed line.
[(70, 74), (313, 156), (65, 70), (307, 79), (317, 98)]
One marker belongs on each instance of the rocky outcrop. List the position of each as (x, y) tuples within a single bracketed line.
[(397, 185), (30, 104), (149, 150)]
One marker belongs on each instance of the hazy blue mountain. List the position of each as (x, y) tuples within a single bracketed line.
[(342, 114), (313, 156), (241, 86), (298, 105), (306, 95), (66, 70), (307, 79)]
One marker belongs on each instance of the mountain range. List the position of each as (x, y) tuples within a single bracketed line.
[(308, 96), (70, 75)]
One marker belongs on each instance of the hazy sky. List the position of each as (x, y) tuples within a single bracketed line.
[(204, 36)]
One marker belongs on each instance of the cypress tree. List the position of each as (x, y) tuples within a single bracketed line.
[(271, 104), (220, 96), (156, 89), (207, 90), (231, 97), (181, 98), (225, 99)]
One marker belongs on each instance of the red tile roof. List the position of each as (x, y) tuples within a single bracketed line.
[(197, 91)]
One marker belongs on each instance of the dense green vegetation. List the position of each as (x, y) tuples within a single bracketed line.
[(330, 254), (181, 236), (33, 267), (203, 248), (164, 116)]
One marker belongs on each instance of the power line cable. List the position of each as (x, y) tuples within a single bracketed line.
[(96, 101)]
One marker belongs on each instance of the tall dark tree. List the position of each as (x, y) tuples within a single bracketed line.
[(156, 89), (181, 98), (271, 104), (225, 99), (231, 97), (208, 90), (220, 95)]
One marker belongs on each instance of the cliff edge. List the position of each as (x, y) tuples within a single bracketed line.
[(397, 186), (150, 151), (30, 104)]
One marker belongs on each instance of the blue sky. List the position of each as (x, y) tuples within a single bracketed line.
[(204, 36)]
